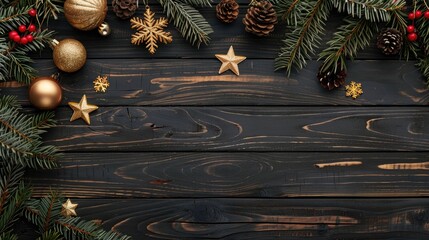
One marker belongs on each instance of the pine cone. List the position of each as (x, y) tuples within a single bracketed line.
[(227, 11), (390, 41), (260, 18), (330, 79), (124, 9)]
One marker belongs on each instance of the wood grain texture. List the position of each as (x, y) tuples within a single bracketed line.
[(263, 175), (404, 219), (118, 44), (244, 129), (197, 82)]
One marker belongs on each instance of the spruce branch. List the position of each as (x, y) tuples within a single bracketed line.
[(289, 11), (354, 35), (193, 26), (398, 21), (300, 44), (198, 3), (372, 10)]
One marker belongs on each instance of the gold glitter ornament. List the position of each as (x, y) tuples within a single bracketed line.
[(85, 14), (45, 93), (69, 54)]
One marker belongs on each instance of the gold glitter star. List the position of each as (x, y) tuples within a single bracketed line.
[(82, 110), (230, 61), (354, 90), (69, 209), (101, 84)]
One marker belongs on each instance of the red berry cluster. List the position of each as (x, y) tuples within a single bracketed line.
[(411, 29), (26, 38)]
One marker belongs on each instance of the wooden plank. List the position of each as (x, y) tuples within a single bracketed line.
[(118, 44), (398, 219), (244, 129), (264, 175), (197, 82)]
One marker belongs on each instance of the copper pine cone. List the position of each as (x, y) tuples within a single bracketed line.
[(390, 41), (227, 11), (124, 9), (330, 79), (260, 19)]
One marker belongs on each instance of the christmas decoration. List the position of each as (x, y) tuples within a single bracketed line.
[(230, 61), (125, 9), (45, 93), (85, 15), (101, 84), (227, 11), (150, 31), (412, 37), (331, 78), (260, 18), (354, 90), (69, 209), (69, 55), (389, 41), (104, 29), (82, 110)]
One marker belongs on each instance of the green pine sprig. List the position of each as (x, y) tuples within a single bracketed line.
[(371, 10)]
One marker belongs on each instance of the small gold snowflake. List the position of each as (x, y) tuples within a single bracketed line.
[(354, 90), (101, 84)]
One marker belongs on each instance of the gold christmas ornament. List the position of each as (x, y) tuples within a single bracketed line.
[(69, 54), (45, 93), (69, 209), (230, 61), (104, 29), (85, 14), (101, 84), (354, 90), (150, 31), (82, 110)]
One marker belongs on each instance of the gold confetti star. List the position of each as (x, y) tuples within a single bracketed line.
[(82, 110), (101, 84), (69, 209), (354, 90), (230, 61)]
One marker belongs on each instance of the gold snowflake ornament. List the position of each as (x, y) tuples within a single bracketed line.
[(101, 84), (150, 31), (354, 90)]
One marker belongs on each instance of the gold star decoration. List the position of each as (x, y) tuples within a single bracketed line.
[(101, 84), (230, 61), (69, 209), (150, 31), (354, 90), (82, 110)]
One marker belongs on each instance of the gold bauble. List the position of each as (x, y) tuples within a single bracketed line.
[(85, 14), (104, 29), (69, 55), (45, 93)]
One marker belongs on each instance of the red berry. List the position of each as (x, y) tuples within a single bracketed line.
[(411, 16), (32, 12), (17, 38), (12, 34), (427, 14), (418, 14), (22, 28), (412, 37), (29, 37), (411, 28), (32, 28), (23, 41)]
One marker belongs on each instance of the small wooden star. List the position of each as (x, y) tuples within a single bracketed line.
[(354, 90), (69, 209), (230, 61), (82, 110)]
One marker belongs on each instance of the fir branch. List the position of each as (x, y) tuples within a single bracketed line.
[(193, 26), (198, 3), (354, 35), (300, 44), (18, 67), (372, 10), (289, 11), (423, 65), (399, 21)]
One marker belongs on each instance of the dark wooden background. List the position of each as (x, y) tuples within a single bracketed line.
[(177, 151)]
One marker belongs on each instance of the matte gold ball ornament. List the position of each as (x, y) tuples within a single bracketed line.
[(69, 54), (86, 15), (45, 93)]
